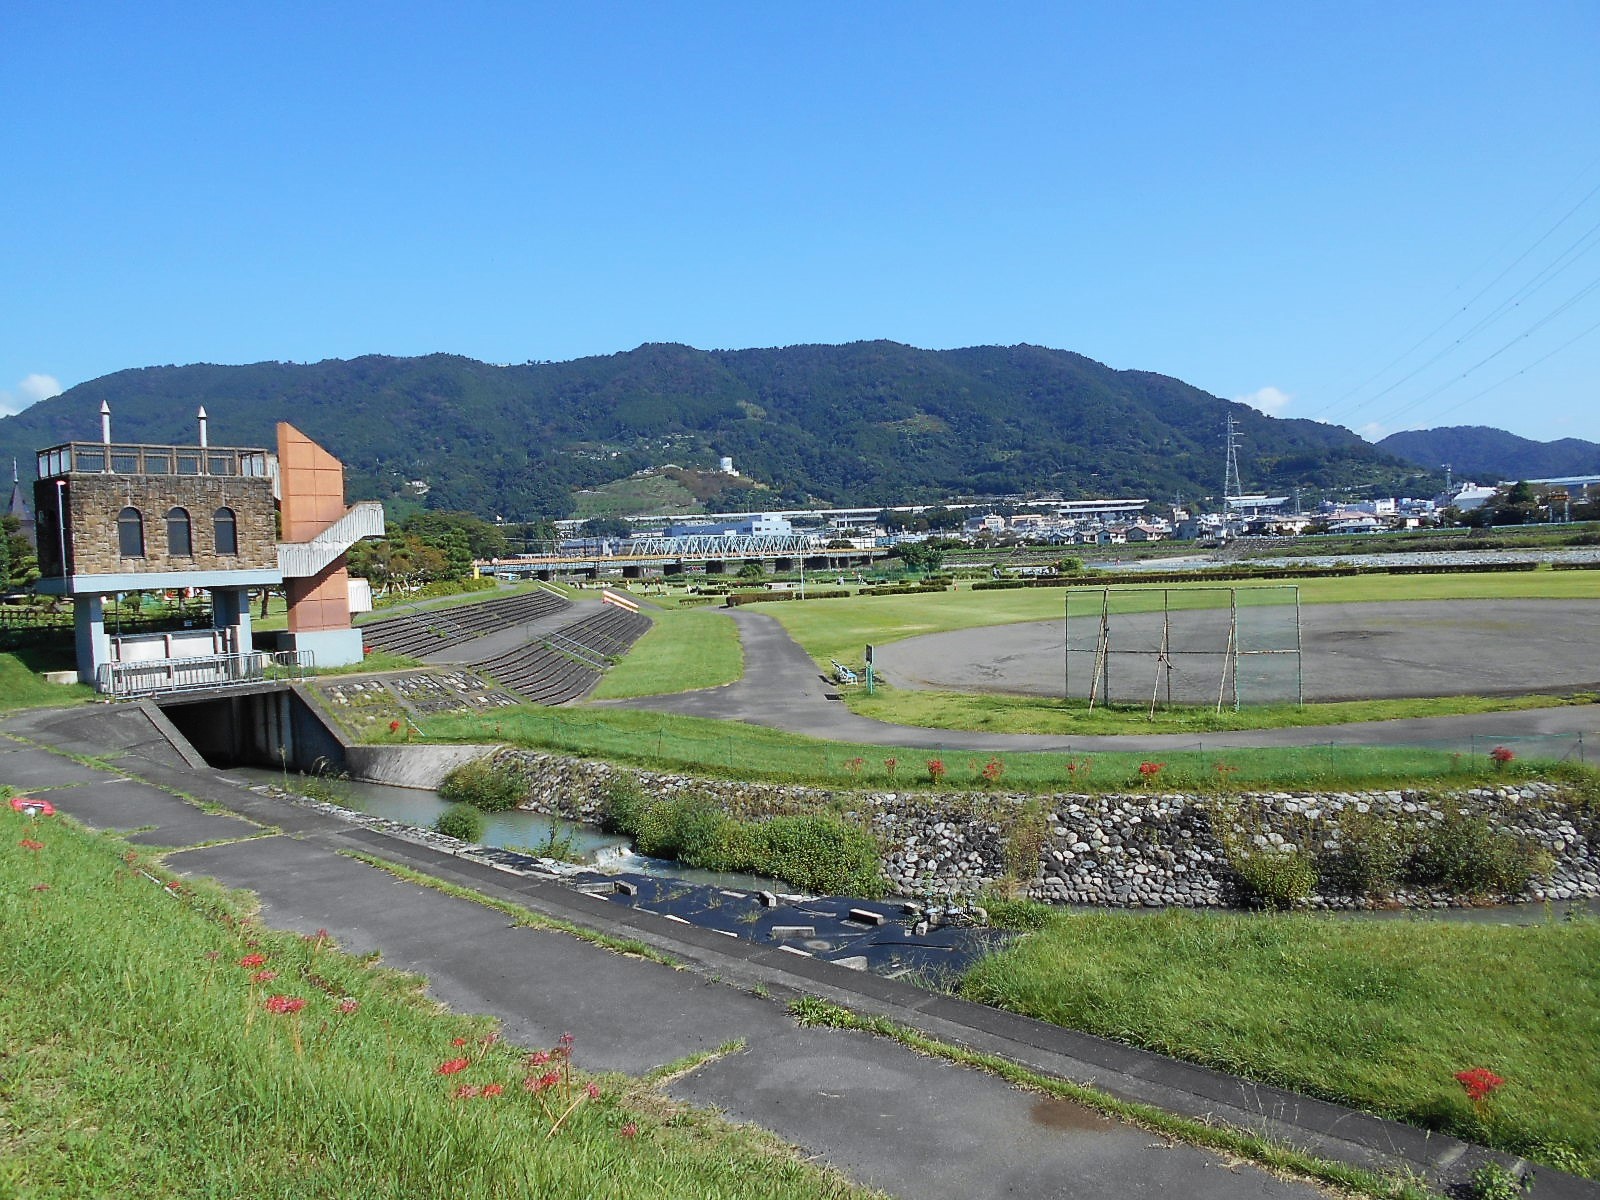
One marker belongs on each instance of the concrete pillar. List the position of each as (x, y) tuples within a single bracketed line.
[(89, 633), (230, 610)]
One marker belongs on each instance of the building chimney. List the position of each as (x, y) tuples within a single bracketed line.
[(203, 442), (105, 422)]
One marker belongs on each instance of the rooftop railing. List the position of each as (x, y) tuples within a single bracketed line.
[(113, 458)]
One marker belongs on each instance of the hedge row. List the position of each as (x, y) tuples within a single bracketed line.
[(737, 598)]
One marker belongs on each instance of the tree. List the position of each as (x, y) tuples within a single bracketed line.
[(482, 539), (751, 570), (920, 556), (605, 527)]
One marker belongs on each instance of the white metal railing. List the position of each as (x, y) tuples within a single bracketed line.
[(148, 677)]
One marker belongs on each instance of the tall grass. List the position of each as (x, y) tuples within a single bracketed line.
[(1379, 1014), (141, 1060)]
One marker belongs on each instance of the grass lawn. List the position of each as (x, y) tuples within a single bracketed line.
[(729, 749), (143, 1059), (997, 712), (686, 648), (1379, 1014), (22, 685)]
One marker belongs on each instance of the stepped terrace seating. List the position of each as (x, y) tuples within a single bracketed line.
[(417, 634), (570, 661)]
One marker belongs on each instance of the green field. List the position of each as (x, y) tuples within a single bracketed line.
[(686, 648), (733, 750), (1376, 1013), (143, 1058)]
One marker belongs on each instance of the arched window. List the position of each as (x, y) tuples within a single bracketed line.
[(130, 533), (179, 542), (227, 527)]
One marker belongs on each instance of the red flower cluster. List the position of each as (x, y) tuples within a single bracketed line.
[(349, 1005), (538, 1083), (263, 977), (283, 1005), (451, 1065), (936, 771), (630, 1130), (1501, 756), (491, 1090), (1479, 1082), (30, 844), (1149, 770), (253, 960)]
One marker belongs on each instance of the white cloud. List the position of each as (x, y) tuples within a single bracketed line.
[(1373, 431), (29, 390), (1269, 400)]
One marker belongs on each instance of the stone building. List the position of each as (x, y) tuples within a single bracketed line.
[(115, 518)]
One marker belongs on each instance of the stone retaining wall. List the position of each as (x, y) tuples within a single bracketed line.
[(1116, 849)]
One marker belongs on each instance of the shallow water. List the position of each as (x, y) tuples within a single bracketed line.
[(513, 830)]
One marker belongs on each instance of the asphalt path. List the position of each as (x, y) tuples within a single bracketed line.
[(782, 689)]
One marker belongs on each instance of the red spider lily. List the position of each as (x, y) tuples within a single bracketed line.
[(538, 1083), (348, 1005), (263, 977), (253, 960), (1501, 756), (936, 770), (630, 1130), (538, 1058), (1479, 1082), (491, 1090), (394, 726), (467, 1091), (30, 844), (451, 1065), (460, 1041), (283, 1005), (1149, 770), (29, 806), (566, 1040), (593, 1092)]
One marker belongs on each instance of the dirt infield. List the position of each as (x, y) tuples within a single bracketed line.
[(1349, 652)]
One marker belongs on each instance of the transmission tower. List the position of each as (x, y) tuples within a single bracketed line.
[(1231, 487)]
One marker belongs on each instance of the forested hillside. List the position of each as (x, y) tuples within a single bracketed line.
[(1491, 455), (861, 424)]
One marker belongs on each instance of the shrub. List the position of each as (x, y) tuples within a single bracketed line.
[(462, 821), (624, 805), (1275, 878), (819, 853), (1368, 860), (485, 784), (1464, 855)]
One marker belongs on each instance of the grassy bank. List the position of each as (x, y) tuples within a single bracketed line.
[(143, 1059), (728, 749), (686, 649), (1379, 1014), (23, 686), (998, 713)]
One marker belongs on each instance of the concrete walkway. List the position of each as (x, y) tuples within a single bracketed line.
[(892, 1119), (782, 689)]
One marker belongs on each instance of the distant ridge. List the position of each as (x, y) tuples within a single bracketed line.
[(1492, 455), (866, 423)]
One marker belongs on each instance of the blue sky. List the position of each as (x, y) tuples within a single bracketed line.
[(1382, 215)]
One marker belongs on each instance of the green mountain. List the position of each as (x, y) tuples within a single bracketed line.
[(1493, 455), (861, 424)]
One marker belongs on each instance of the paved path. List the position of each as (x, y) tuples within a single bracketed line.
[(781, 689), (911, 1125)]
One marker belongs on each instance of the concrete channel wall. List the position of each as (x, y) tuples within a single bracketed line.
[(1118, 849)]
